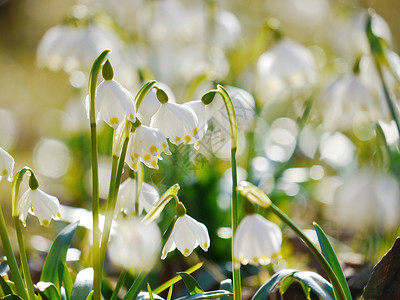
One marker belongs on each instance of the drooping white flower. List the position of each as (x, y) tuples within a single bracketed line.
[(6, 165), (44, 206), (200, 110), (178, 122), (150, 103), (287, 65), (367, 199), (114, 103), (256, 241), (244, 105), (186, 235), (134, 245), (146, 145), (127, 196), (344, 99), (73, 48)]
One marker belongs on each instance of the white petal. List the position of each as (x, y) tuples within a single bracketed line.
[(6, 165)]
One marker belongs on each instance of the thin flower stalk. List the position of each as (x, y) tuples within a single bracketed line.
[(95, 174)]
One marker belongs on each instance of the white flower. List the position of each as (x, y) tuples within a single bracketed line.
[(146, 144), (150, 103), (244, 105), (127, 195), (114, 103), (44, 206), (200, 110), (186, 235), (6, 165), (73, 48), (134, 245), (286, 65), (256, 241), (343, 100), (178, 122), (367, 199)]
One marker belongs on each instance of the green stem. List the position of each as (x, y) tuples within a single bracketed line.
[(94, 73), (135, 288), (111, 203), (11, 261), (334, 280), (234, 206), (120, 281), (24, 259)]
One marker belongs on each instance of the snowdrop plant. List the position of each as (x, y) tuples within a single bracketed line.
[(6, 165)]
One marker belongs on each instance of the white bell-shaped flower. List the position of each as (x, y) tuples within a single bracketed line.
[(44, 206), (146, 144), (114, 103), (6, 165), (178, 122), (366, 200), (134, 245), (345, 99), (287, 65), (127, 196), (256, 241), (200, 110), (150, 103), (186, 235)]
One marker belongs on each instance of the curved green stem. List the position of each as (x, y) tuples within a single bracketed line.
[(24, 259), (11, 261), (318, 255), (120, 281), (94, 73), (234, 206)]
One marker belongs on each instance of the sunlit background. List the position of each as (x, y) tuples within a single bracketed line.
[(307, 105)]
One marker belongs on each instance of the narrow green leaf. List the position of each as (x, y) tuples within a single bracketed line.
[(330, 256), (191, 283), (286, 283), (175, 279), (207, 295), (150, 292), (265, 290), (48, 290), (83, 284), (12, 297), (53, 269), (306, 290), (170, 292), (316, 283), (90, 296), (7, 290), (67, 282), (227, 286)]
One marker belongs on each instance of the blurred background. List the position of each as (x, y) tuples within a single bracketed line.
[(309, 104)]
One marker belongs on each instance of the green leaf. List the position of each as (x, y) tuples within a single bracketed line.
[(5, 287), (83, 284), (149, 291), (170, 292), (191, 283), (12, 297), (306, 290), (207, 295), (286, 283), (53, 269), (67, 282), (319, 285), (90, 296), (330, 256), (48, 288), (175, 279), (227, 286), (265, 290)]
